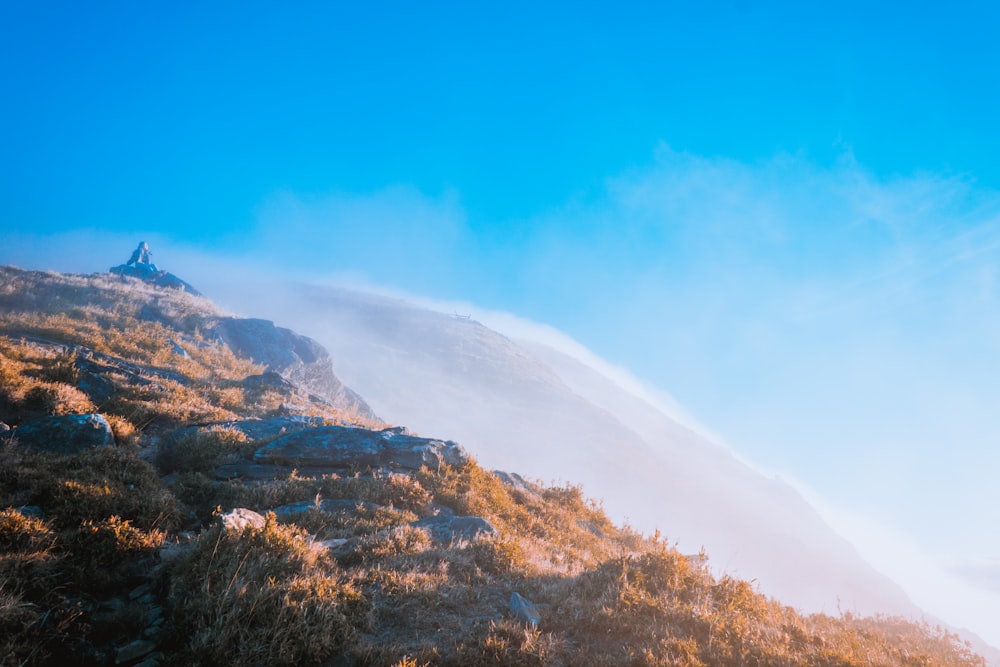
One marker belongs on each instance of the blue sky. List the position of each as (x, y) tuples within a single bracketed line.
[(784, 214)]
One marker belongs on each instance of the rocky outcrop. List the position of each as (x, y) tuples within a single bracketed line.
[(64, 434), (342, 447), (299, 359), (150, 275), (254, 429), (328, 506), (446, 529), (522, 609)]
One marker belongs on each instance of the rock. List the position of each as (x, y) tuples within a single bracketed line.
[(180, 351), (329, 506), (152, 660), (146, 273), (140, 591), (514, 481), (343, 447), (32, 511), (337, 544), (299, 359), (65, 434), (446, 529), (524, 610), (134, 650), (240, 518), (268, 381), (267, 429)]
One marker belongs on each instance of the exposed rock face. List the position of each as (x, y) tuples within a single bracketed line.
[(329, 506), (255, 429), (524, 610), (150, 275), (299, 359), (342, 447), (65, 434), (446, 529)]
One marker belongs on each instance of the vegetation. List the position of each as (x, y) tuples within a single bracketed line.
[(103, 548)]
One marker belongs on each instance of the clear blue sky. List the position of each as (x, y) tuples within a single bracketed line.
[(785, 214)]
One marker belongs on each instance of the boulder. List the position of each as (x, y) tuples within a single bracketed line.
[(446, 529), (522, 609), (329, 506), (147, 273), (134, 650), (65, 434), (514, 481), (344, 447), (256, 429), (240, 518)]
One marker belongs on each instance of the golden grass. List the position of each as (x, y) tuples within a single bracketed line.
[(392, 596)]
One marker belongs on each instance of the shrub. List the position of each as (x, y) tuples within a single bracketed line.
[(261, 597)]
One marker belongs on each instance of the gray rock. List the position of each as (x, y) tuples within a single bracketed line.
[(134, 650), (269, 380), (524, 610), (341, 447), (65, 434), (32, 511), (514, 481), (180, 351), (146, 273), (297, 358), (152, 660), (446, 529), (240, 518), (329, 506)]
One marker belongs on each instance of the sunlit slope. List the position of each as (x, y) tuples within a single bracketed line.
[(541, 413)]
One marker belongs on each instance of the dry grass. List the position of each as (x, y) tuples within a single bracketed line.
[(263, 596), (392, 595)]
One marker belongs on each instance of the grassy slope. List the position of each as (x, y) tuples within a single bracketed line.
[(607, 596)]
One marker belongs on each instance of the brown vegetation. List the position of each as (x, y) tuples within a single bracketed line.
[(75, 529)]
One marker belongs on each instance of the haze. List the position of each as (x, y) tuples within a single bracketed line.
[(786, 218)]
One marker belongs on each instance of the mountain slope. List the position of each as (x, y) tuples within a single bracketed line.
[(531, 409), (144, 456)]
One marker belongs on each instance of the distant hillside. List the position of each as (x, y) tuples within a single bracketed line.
[(530, 408), (166, 499)]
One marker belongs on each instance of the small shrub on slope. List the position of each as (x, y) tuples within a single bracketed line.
[(263, 596)]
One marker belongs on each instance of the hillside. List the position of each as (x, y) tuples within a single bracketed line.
[(172, 492), (529, 407)]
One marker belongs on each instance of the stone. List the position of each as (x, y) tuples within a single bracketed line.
[(446, 529), (524, 610), (514, 481), (146, 273), (256, 429), (32, 511), (329, 506), (345, 447), (240, 518), (65, 434), (180, 351), (134, 650), (299, 359)]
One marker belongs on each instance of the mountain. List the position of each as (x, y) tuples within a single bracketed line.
[(528, 407), (168, 496)]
